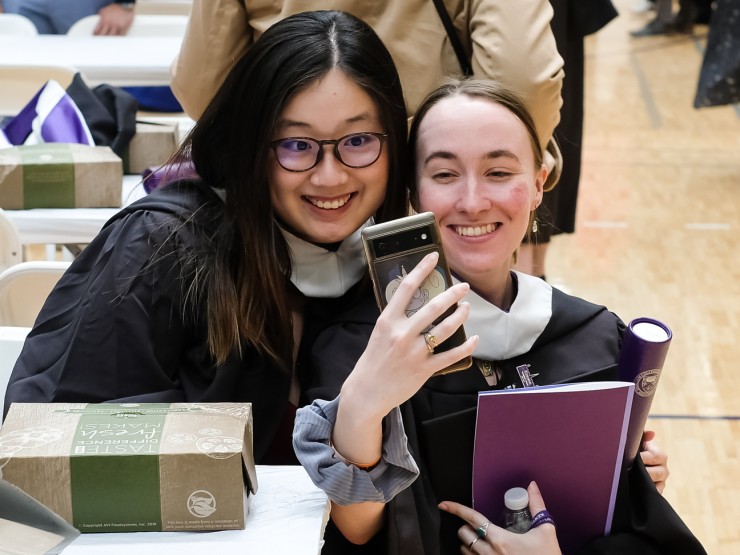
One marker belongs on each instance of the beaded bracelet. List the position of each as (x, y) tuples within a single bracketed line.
[(367, 467)]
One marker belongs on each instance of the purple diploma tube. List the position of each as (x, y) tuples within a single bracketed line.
[(644, 349)]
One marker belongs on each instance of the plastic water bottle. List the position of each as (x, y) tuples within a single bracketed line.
[(516, 514)]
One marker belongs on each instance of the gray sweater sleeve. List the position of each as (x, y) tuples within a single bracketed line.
[(344, 483)]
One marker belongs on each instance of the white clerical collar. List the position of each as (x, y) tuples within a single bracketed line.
[(504, 335), (319, 272)]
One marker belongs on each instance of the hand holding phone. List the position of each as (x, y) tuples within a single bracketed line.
[(393, 249)]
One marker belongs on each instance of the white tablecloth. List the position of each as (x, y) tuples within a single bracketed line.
[(117, 60), (287, 516), (11, 343), (70, 225)]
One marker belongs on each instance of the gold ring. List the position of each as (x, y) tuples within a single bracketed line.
[(430, 341), (470, 547)]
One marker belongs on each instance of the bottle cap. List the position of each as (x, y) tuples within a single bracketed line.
[(516, 499)]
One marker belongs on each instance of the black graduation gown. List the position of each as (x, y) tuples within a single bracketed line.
[(117, 326), (580, 343)]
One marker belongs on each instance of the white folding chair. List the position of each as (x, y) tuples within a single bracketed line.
[(16, 25), (11, 343), (144, 25), (21, 83), (24, 288), (11, 249)]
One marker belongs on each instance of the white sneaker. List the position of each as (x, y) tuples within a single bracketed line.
[(642, 6)]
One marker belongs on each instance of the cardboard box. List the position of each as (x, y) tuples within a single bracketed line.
[(59, 175), (152, 146), (133, 467)]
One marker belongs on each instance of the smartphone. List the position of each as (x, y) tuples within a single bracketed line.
[(393, 249)]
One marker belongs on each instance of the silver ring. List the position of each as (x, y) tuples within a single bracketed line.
[(470, 547), (482, 530)]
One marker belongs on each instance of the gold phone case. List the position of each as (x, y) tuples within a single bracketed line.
[(393, 249)]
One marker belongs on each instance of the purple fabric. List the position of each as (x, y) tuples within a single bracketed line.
[(156, 176), (64, 125), (19, 128)]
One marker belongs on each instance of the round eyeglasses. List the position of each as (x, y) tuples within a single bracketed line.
[(356, 150)]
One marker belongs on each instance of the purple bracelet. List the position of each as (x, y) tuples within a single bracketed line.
[(543, 517)]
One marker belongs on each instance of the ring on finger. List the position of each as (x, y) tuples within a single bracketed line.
[(431, 341), (482, 530), (470, 547)]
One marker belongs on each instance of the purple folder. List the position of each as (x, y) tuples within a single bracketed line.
[(569, 438)]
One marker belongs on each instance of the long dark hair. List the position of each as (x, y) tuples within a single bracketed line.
[(246, 282)]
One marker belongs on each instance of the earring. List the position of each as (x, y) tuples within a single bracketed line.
[(534, 226)]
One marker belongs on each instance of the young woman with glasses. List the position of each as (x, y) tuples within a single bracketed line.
[(204, 290)]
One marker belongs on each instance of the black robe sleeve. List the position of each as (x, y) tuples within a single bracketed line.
[(644, 522), (332, 345), (114, 327)]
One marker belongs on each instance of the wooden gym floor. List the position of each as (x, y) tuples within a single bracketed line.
[(658, 211)]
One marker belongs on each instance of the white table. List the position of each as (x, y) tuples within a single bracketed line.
[(287, 516), (11, 343), (117, 60), (70, 225)]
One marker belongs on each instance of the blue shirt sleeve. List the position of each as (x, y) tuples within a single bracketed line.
[(345, 483)]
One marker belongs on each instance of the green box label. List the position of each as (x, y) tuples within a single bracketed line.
[(48, 176), (114, 468)]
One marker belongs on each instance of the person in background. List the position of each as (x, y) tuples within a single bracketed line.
[(510, 42), (116, 18), (719, 77), (665, 23), (55, 17), (572, 21), (203, 290), (478, 166)]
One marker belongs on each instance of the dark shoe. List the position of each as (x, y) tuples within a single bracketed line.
[(655, 27)]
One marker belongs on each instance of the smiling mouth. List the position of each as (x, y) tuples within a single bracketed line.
[(475, 231), (332, 204)]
